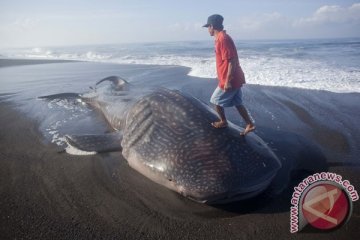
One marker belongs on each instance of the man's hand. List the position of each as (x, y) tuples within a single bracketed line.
[(227, 86)]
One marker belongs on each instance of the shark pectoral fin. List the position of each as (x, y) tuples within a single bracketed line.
[(93, 143)]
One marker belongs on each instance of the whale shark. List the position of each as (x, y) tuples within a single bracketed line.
[(166, 136)]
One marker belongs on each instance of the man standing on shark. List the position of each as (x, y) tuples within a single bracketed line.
[(230, 75)]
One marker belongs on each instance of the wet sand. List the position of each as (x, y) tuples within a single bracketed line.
[(48, 194), (17, 62)]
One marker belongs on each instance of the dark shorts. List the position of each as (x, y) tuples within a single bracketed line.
[(230, 98)]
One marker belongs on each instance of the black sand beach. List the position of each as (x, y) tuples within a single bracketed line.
[(17, 62), (48, 194)]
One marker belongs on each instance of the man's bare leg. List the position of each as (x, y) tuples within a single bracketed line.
[(223, 122), (245, 115)]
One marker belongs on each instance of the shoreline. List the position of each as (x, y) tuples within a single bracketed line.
[(16, 62)]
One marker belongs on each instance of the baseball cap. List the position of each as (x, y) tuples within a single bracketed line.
[(215, 20)]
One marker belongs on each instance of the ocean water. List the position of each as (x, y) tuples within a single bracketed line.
[(308, 89), (331, 64)]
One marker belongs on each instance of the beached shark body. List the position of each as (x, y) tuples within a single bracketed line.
[(166, 135)]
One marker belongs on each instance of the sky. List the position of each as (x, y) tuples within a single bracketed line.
[(39, 23)]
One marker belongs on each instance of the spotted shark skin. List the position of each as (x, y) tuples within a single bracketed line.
[(169, 138)]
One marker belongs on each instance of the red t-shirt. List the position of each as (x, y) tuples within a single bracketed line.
[(225, 49)]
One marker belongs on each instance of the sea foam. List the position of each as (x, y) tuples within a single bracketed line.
[(331, 65)]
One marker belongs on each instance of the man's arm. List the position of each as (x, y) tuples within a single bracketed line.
[(230, 73)]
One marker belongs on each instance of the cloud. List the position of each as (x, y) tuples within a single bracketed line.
[(332, 14), (25, 23), (260, 21), (326, 21), (264, 25), (186, 27)]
